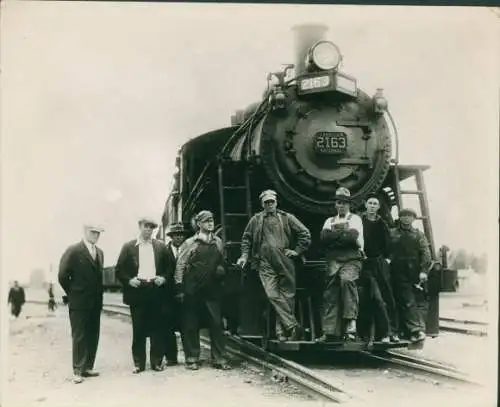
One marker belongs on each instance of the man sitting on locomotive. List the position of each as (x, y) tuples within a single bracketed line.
[(410, 261), (342, 236), (377, 301), (273, 238)]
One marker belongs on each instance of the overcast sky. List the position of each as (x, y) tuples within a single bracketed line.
[(98, 97)]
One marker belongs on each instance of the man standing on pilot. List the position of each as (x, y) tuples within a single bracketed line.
[(342, 236)]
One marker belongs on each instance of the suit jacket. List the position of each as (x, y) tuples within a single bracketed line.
[(171, 259), (80, 276), (127, 267)]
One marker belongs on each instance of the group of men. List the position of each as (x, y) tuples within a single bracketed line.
[(165, 287), (362, 255), (177, 287)]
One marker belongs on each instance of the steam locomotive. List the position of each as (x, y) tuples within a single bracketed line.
[(313, 131)]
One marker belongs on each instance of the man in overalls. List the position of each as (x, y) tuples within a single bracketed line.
[(272, 239), (410, 262), (342, 236)]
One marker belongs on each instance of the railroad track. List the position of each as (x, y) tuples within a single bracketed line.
[(327, 388), (421, 366), (300, 376), (465, 327), (310, 380)]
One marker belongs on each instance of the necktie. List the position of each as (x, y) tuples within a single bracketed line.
[(93, 251)]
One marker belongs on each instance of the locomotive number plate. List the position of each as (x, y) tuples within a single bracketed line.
[(326, 142)]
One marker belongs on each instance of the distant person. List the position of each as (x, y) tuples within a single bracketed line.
[(198, 274), (143, 270), (410, 262), (173, 317), (52, 302), (16, 299), (80, 276)]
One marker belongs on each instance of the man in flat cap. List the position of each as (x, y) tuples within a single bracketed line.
[(173, 319), (198, 274), (271, 240), (342, 236), (410, 262), (80, 276), (142, 268)]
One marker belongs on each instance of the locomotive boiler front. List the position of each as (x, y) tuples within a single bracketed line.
[(314, 148), (321, 132)]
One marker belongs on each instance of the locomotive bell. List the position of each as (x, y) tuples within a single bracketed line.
[(380, 103)]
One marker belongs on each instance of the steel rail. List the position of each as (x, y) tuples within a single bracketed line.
[(305, 378), (294, 373), (422, 366), (462, 330), (463, 321)]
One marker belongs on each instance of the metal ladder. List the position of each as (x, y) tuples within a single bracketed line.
[(226, 217), (422, 199)]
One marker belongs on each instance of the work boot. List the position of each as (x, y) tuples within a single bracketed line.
[(192, 366), (90, 373), (350, 331), (138, 370), (77, 378), (395, 338), (296, 333), (385, 339), (222, 366), (417, 336)]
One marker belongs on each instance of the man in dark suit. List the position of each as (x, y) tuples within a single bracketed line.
[(80, 276), (177, 234), (142, 268), (17, 298)]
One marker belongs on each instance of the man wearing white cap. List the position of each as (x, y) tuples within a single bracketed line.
[(142, 268), (271, 240), (80, 276), (342, 236)]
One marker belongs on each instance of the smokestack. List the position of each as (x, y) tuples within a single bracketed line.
[(305, 36)]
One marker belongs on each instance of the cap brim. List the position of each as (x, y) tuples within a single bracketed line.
[(149, 221), (176, 232), (94, 229)]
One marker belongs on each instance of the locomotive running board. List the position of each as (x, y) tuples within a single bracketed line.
[(355, 346)]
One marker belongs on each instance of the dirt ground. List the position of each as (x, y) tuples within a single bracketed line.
[(39, 372)]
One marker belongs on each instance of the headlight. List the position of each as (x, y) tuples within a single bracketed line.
[(325, 55)]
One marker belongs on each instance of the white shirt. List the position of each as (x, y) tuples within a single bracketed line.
[(354, 222), (147, 268), (91, 248)]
